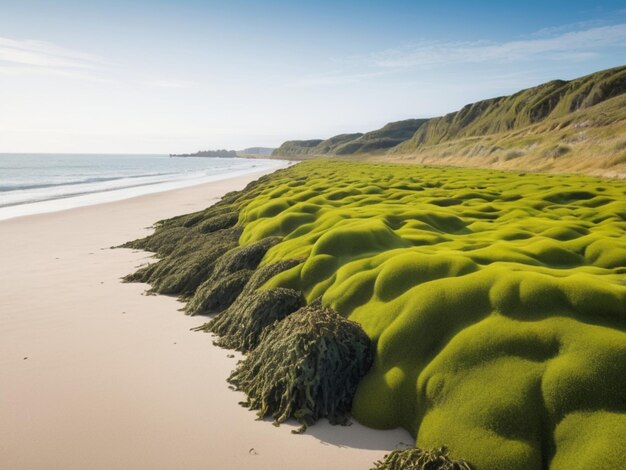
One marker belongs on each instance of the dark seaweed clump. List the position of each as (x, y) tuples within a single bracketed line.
[(189, 247), (241, 326), (420, 459), (230, 274), (306, 366), (187, 251), (265, 273), (303, 362), (184, 268)]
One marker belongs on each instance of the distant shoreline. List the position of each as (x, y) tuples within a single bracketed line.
[(223, 153), (251, 152)]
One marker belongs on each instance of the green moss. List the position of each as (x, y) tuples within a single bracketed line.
[(486, 310), (265, 273), (496, 302)]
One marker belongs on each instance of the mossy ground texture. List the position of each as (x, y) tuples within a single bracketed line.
[(495, 301)]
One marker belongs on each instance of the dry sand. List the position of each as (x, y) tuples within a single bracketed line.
[(95, 375)]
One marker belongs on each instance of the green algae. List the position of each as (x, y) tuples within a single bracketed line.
[(420, 459), (495, 302), (306, 366)]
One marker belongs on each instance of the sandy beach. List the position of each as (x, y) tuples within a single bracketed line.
[(95, 375)]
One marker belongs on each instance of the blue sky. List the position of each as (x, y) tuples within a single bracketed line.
[(159, 76)]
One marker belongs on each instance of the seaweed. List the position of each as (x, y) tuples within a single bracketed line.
[(265, 273), (219, 222), (188, 264), (222, 288), (221, 291), (306, 367), (420, 459), (241, 325)]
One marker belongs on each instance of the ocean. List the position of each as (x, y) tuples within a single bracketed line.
[(38, 183)]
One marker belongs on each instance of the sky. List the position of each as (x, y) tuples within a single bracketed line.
[(180, 76)]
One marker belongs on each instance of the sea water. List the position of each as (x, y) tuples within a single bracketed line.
[(37, 183)]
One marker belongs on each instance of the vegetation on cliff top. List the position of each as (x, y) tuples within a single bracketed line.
[(576, 125), (555, 99), (588, 141), (379, 140), (495, 302)]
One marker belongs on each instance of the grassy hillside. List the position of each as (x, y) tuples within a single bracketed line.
[(255, 151), (495, 301), (307, 148), (377, 141), (590, 140), (382, 139), (554, 99), (330, 146), (296, 148), (574, 126)]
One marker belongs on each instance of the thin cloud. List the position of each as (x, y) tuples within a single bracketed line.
[(176, 84), (566, 28), (12, 69), (576, 42), (44, 55), (32, 57), (571, 44), (337, 79)]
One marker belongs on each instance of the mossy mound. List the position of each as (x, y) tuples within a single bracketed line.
[(496, 302), (229, 276), (514, 281), (420, 459), (240, 326), (306, 367)]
